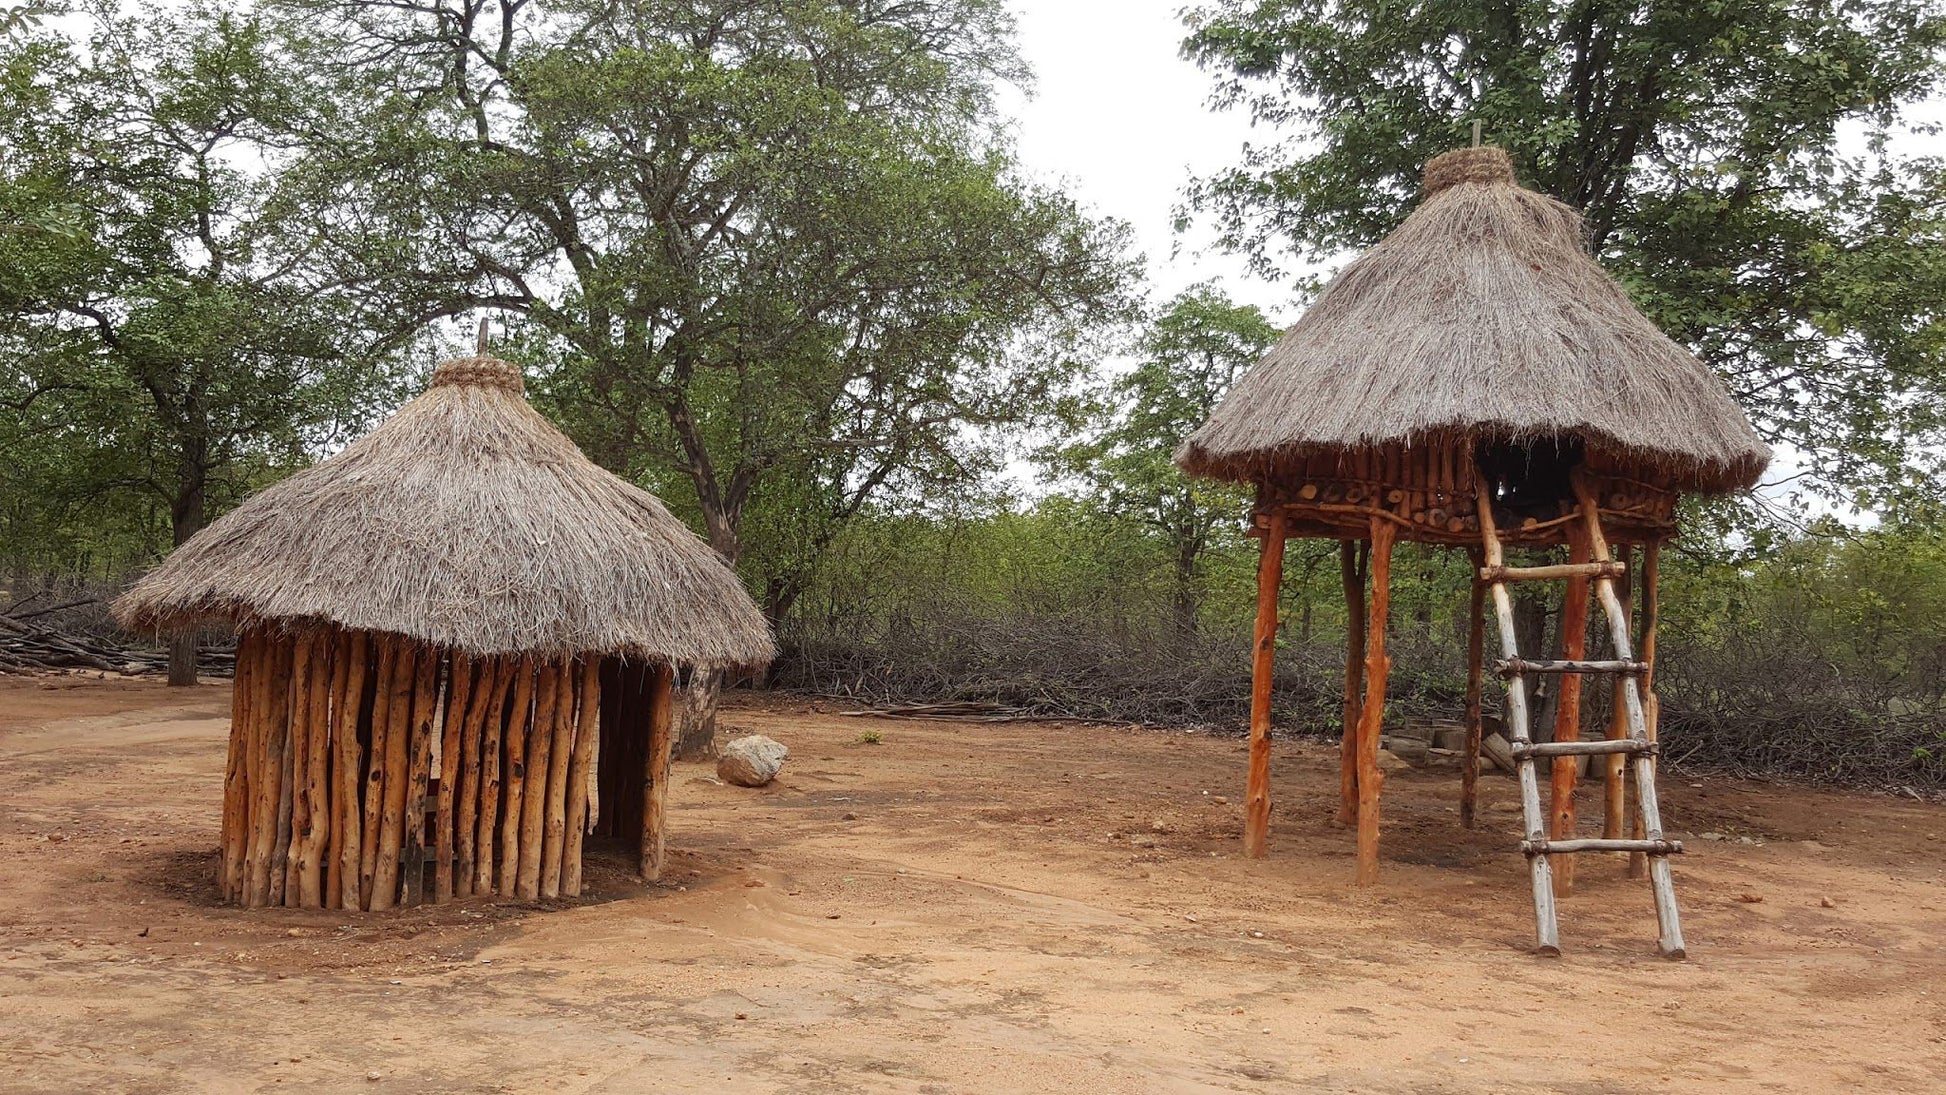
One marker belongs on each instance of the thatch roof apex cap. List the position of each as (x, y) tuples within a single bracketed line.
[(484, 371), (1467, 165)]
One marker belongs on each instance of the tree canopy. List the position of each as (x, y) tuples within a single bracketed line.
[(167, 336), (1732, 159)]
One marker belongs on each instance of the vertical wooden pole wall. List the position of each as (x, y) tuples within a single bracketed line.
[(1270, 577), (656, 792), (236, 772), (1353, 558), (1378, 666), (361, 763)]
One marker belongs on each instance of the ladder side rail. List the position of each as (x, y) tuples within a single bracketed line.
[(1547, 931), (1661, 877)]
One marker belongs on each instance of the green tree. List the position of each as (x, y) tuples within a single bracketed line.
[(164, 337), (770, 246), (1700, 140), (1190, 354)]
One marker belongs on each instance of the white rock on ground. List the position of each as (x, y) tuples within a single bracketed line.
[(751, 761)]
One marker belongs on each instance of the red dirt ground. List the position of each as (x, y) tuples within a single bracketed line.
[(962, 908)]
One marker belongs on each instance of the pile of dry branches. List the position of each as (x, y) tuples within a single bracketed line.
[(50, 630)]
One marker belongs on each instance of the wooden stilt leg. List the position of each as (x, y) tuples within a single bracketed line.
[(1378, 667), (1353, 558), (1263, 667), (350, 774), (655, 797), (1476, 637), (587, 729), (1573, 626)]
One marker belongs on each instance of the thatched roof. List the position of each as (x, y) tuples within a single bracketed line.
[(1482, 313), (466, 521)]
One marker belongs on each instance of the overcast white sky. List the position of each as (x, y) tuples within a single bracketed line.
[(1120, 119)]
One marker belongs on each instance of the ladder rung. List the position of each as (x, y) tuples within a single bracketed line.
[(1608, 568), (1561, 847), (1599, 747), (1513, 667)]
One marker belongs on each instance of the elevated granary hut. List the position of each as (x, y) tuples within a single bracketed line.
[(1475, 380), (457, 644)]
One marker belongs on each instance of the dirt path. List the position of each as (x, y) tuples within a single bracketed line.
[(959, 909)]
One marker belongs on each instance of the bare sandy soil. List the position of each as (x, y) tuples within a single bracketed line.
[(1015, 908)]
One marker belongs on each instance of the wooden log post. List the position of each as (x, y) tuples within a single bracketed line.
[(396, 760), (513, 774), (350, 774), (283, 884), (1263, 669), (655, 792), (329, 849), (1353, 559), (492, 749), (1378, 667), (459, 699), (488, 676), (273, 711), (426, 707), (1476, 637), (1573, 625), (236, 769), (581, 776), (310, 837), (373, 807), (554, 821), (1638, 863), (533, 810)]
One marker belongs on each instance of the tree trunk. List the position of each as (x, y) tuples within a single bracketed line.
[(185, 520), (1186, 607), (696, 712), (696, 740)]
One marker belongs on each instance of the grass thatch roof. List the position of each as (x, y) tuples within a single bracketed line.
[(466, 521), (1482, 313)]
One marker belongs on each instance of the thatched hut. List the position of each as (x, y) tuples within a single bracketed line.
[(1476, 379), (457, 640)]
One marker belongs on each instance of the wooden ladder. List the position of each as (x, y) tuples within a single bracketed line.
[(1537, 846)]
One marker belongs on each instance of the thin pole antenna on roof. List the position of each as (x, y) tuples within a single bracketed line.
[(1476, 133), (482, 349)]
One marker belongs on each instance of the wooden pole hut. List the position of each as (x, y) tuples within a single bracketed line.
[(1476, 380), (457, 640)]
